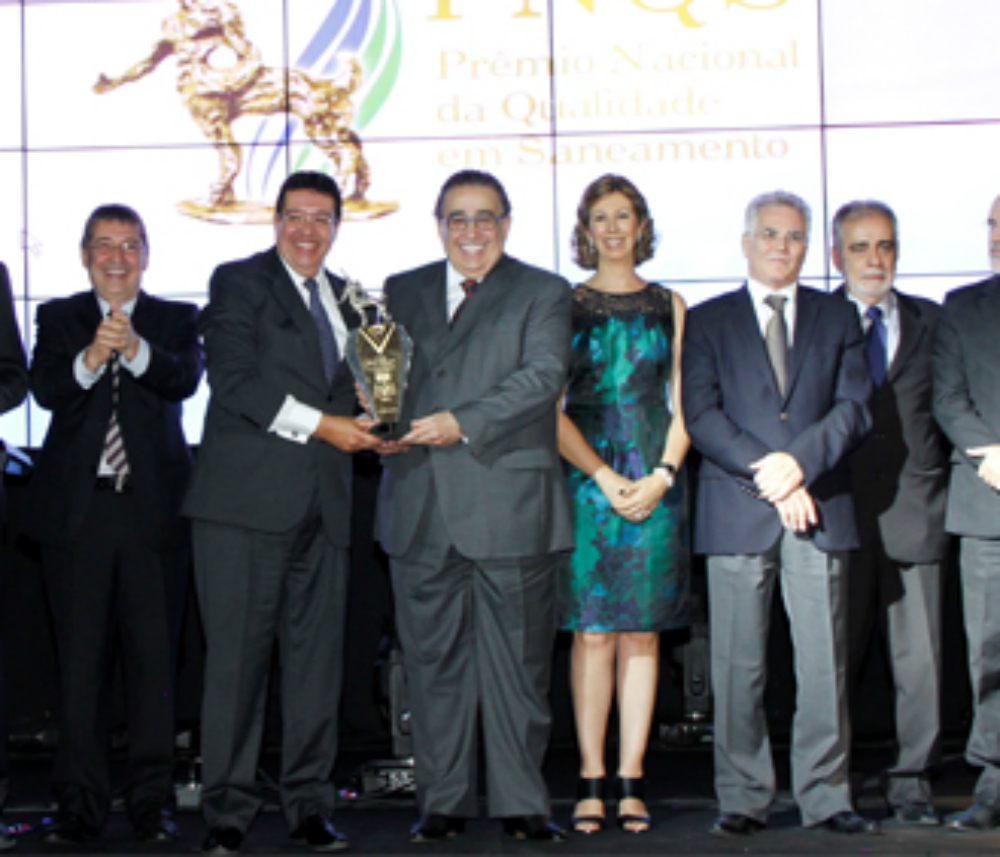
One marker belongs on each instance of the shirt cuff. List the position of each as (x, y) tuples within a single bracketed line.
[(295, 421), (141, 362), (84, 377)]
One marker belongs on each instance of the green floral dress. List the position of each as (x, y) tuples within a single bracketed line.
[(624, 576)]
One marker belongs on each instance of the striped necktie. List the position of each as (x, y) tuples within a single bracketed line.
[(114, 443)]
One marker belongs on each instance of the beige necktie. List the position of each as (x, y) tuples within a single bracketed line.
[(776, 339)]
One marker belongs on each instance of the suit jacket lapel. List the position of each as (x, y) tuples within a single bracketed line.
[(287, 295), (429, 325), (912, 331), (488, 294), (806, 314), (745, 327)]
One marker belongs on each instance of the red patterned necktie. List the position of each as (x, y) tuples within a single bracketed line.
[(469, 286)]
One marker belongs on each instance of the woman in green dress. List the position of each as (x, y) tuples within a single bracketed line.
[(622, 431)]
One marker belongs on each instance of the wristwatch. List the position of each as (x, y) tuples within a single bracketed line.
[(668, 470)]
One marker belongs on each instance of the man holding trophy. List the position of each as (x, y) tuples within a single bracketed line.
[(271, 503), (474, 516)]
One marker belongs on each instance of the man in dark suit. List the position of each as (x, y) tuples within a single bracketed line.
[(13, 389), (774, 391), (271, 503), (899, 476), (474, 514), (967, 405), (113, 365)]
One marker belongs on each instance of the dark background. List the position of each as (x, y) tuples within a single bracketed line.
[(32, 696)]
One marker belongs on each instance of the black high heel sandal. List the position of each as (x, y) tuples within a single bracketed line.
[(589, 788), (632, 787)]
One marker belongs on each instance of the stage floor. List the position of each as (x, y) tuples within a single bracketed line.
[(679, 782)]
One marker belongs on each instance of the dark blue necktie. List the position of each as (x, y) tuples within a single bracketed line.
[(327, 338), (875, 345)]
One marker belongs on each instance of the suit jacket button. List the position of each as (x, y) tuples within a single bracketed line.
[(784, 415)]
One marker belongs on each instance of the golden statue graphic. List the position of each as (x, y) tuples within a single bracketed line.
[(222, 77)]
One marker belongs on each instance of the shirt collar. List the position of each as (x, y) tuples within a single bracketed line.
[(887, 304), (758, 291), (299, 280), (455, 278), (126, 307)]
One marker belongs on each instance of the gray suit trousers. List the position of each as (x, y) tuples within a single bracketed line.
[(905, 601), (477, 641), (741, 592), (981, 603), (256, 589)]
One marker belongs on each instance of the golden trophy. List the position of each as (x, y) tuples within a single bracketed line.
[(379, 354), (222, 77)]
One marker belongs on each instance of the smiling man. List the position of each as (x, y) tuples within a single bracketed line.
[(113, 365), (474, 515), (774, 391), (899, 476), (271, 503)]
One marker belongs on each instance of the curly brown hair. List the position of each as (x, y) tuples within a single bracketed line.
[(584, 251)]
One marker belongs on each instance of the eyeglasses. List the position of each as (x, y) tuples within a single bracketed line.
[(773, 236), (483, 222), (107, 247), (300, 218)]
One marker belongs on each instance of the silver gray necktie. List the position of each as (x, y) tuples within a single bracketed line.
[(776, 339)]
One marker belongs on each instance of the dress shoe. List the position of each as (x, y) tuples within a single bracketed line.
[(915, 814), (69, 829), (222, 840), (850, 822), (319, 834), (6, 840), (977, 817), (734, 824), (535, 827), (435, 827), (156, 827)]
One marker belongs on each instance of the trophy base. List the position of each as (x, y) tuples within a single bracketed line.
[(231, 214), (240, 213), (390, 431), (363, 209)]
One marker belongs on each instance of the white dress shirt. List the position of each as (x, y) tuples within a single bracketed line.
[(890, 318), (295, 420), (758, 292)]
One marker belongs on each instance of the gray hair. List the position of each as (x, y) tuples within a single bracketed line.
[(855, 211), (776, 197)]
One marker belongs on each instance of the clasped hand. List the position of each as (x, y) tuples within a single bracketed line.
[(633, 500), (114, 334), (777, 475)]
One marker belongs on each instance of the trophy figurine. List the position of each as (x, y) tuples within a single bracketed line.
[(379, 353)]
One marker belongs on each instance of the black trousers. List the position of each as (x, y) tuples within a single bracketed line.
[(111, 592)]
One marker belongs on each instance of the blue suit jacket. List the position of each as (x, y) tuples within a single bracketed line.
[(736, 415)]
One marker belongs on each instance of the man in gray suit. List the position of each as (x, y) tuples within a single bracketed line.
[(775, 390), (271, 503), (899, 476), (474, 514), (967, 405)]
